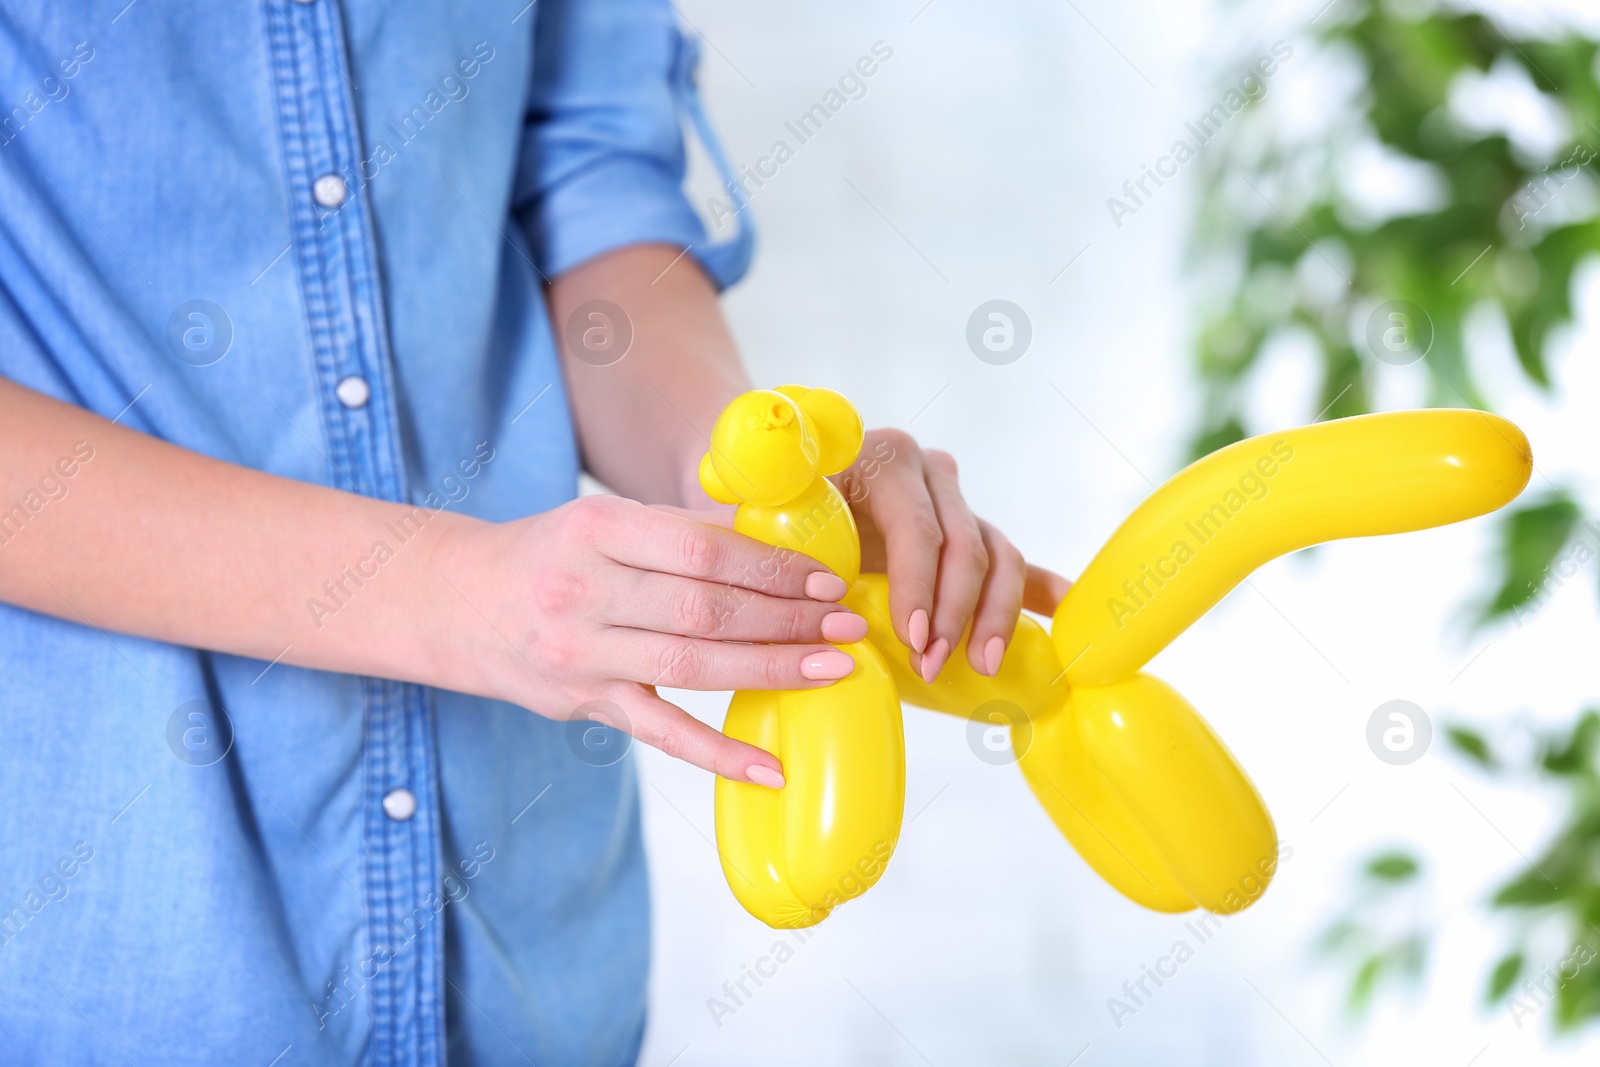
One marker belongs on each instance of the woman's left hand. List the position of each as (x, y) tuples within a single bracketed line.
[(947, 568)]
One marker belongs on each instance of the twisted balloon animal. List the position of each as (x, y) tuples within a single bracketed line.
[(1129, 772)]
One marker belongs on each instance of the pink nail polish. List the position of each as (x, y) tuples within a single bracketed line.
[(762, 775), (843, 627), (917, 630), (934, 659), (827, 666), (820, 585), (993, 650)]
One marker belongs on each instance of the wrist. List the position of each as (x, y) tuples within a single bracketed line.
[(461, 646)]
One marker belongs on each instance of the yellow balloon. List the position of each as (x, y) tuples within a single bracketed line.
[(1211, 524), (760, 452), (834, 422), (1030, 674), (816, 522), (1150, 797), (1129, 772), (792, 855)]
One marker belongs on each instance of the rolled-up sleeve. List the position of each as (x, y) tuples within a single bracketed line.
[(603, 158)]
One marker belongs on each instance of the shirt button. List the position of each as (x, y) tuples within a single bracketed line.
[(399, 804), (329, 190), (353, 392)]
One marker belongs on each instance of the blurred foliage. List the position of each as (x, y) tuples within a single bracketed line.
[(1505, 231), (1532, 537), (1557, 895), (1379, 935), (1275, 203), (1292, 253), (1368, 938)]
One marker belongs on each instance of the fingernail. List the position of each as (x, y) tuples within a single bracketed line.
[(820, 585), (762, 775), (843, 626), (993, 649), (827, 666), (933, 659), (917, 629)]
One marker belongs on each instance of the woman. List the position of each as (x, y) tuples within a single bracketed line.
[(289, 547)]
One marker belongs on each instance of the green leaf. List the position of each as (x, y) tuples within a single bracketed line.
[(1531, 538), (1365, 982), (1392, 867), (1575, 754), (1528, 890), (1471, 744), (1344, 391), (1505, 973)]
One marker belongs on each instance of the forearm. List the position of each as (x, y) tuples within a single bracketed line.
[(642, 421), (147, 538)]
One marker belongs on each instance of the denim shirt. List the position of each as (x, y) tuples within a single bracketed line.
[(308, 236)]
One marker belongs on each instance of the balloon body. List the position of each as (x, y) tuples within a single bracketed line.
[(792, 855), (816, 522), (1128, 771), (1029, 679), (1151, 799)]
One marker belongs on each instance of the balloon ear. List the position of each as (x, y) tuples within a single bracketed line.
[(833, 422), (712, 484)]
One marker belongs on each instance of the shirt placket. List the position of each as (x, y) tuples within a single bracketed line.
[(399, 971)]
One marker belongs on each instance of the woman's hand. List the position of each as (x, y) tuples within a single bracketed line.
[(587, 608), (947, 568)]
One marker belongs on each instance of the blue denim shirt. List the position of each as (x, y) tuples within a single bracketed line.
[(308, 237)]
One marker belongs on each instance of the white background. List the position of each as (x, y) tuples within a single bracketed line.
[(981, 159)]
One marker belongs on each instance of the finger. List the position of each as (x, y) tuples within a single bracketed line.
[(651, 539), (669, 604), (901, 509), (995, 618), (689, 663), (963, 562), (665, 726), (873, 558), (716, 515), (1043, 591)]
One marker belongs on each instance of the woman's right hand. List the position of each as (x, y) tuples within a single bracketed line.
[(580, 612)]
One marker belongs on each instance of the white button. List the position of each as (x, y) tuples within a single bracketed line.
[(399, 804), (305, 1), (353, 392), (329, 190)]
